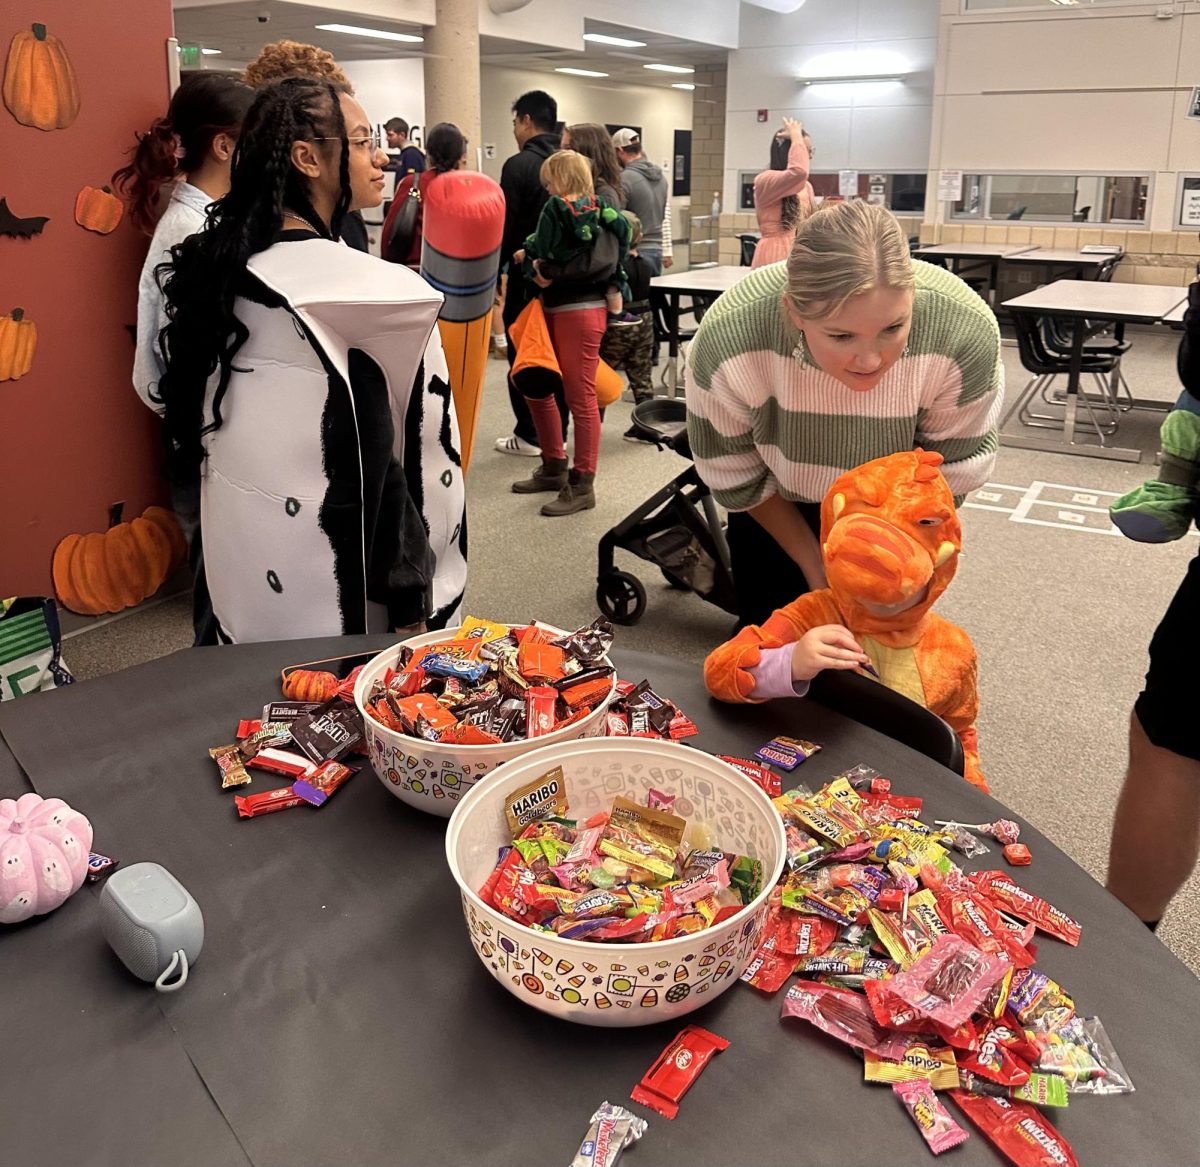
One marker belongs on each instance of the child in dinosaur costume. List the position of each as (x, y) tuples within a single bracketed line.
[(1163, 509), (891, 540)]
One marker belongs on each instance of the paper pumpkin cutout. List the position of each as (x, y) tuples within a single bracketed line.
[(18, 340), (98, 209), (10, 224), (40, 88), (108, 571)]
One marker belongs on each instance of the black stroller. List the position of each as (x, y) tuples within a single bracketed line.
[(677, 529)]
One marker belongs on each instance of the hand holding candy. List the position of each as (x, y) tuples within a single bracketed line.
[(828, 647)]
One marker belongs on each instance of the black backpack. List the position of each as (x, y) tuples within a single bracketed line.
[(405, 224)]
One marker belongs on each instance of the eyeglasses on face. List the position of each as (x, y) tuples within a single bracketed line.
[(371, 142)]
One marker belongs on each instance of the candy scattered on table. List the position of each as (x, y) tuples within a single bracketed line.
[(494, 683), (676, 1069), (635, 873), (928, 972)]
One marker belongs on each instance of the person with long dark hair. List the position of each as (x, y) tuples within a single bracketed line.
[(445, 150), (179, 166), (594, 142), (289, 389), (783, 196), (185, 155)]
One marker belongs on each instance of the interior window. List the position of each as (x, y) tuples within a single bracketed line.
[(1054, 198)]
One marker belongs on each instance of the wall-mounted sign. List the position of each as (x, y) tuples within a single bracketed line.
[(949, 185), (1194, 104), (848, 183), (1189, 203)]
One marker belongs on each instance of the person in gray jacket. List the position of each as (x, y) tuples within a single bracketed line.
[(645, 189)]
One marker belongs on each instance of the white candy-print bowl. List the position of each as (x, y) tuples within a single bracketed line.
[(430, 776), (617, 984)]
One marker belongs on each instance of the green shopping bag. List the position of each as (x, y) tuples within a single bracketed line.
[(30, 647)]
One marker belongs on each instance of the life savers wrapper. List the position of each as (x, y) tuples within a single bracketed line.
[(607, 984), (433, 776)]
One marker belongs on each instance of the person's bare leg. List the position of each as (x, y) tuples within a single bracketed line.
[(1156, 830)]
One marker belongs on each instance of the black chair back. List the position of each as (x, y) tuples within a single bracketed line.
[(882, 709), (749, 243)]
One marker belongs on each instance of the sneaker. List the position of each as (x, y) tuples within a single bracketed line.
[(515, 445), (623, 320), (634, 434)]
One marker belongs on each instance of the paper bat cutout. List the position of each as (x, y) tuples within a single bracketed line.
[(20, 228)]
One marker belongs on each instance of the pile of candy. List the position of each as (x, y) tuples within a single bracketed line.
[(495, 683), (926, 971), (301, 740), (635, 873)]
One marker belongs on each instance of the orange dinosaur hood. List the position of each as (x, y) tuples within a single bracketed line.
[(891, 540)]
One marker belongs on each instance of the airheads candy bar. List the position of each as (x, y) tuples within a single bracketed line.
[(786, 752)]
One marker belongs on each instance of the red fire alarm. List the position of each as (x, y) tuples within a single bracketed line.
[(762, 115)]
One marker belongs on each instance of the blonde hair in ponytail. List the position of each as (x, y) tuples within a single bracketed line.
[(843, 250)]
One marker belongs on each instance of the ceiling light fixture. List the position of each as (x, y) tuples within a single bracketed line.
[(377, 33), (581, 72), (682, 85), (853, 80), (670, 68), (602, 38)]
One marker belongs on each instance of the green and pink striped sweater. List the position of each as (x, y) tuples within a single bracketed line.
[(763, 419)]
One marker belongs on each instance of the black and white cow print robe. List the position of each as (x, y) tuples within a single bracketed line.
[(332, 498)]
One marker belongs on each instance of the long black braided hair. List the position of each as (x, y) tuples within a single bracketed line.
[(208, 270)]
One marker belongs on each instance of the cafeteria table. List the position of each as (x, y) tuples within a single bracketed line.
[(704, 283), (1065, 262), (966, 258), (1099, 304), (339, 1015)]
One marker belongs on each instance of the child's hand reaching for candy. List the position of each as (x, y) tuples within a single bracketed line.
[(829, 646)]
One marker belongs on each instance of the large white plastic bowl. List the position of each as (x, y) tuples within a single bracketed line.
[(430, 776), (617, 984)]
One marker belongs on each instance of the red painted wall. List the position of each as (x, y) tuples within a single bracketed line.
[(73, 435)]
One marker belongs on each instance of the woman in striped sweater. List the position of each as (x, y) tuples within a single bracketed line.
[(848, 352)]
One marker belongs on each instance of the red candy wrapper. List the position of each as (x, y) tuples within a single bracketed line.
[(322, 782), (950, 981), (250, 806), (845, 1015), (759, 774), (1018, 902), (1018, 854), (539, 708), (285, 762), (677, 1067), (976, 921), (1018, 1130), (933, 1120)]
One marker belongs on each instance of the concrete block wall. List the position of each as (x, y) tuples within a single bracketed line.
[(708, 151), (1151, 257)]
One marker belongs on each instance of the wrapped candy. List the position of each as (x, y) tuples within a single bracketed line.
[(937, 1128), (950, 981), (1002, 830), (1017, 1130), (676, 1069), (613, 1129)]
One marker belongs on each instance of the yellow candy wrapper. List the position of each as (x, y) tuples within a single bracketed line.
[(937, 1065)]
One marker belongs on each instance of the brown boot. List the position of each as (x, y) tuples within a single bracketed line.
[(549, 477), (578, 494)]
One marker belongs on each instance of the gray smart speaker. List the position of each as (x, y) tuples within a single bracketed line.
[(152, 924)]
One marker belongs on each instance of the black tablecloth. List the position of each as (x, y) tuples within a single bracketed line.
[(338, 1014)]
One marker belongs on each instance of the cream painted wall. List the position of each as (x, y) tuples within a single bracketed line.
[(659, 110), (389, 89), (865, 127), (1103, 91)]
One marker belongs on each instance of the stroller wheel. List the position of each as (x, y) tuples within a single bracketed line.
[(621, 597)]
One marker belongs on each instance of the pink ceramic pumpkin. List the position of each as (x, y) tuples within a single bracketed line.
[(44, 847)]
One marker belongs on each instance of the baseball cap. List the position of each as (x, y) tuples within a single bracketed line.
[(625, 138)]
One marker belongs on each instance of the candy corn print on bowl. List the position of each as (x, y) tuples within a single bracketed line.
[(444, 708), (617, 881)]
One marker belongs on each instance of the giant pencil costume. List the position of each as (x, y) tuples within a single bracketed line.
[(462, 222), (332, 499)]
